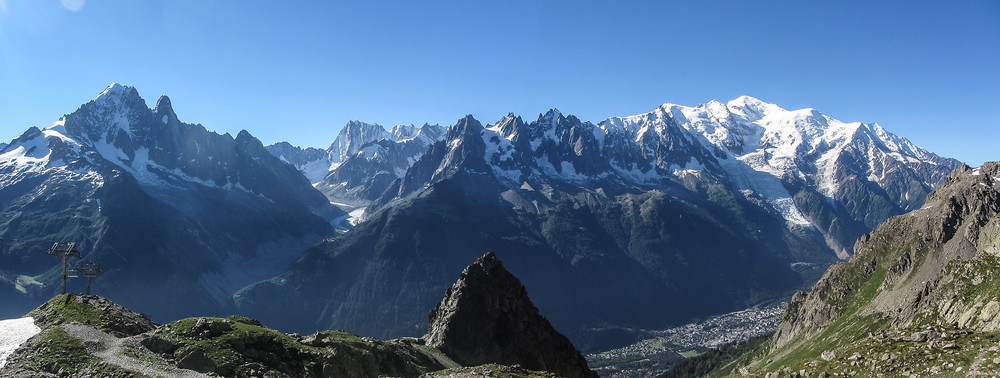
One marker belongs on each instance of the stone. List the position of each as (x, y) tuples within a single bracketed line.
[(487, 317), (192, 357), (918, 337), (828, 355), (158, 345)]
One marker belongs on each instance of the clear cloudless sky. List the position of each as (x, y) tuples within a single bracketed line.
[(297, 71)]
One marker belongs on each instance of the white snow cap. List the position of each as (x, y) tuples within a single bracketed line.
[(113, 89)]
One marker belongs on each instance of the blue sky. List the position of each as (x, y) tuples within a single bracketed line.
[(298, 71)]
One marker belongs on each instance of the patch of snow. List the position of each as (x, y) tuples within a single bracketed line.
[(569, 172), (499, 149), (22, 282), (25, 155), (13, 333), (110, 152), (315, 170), (535, 143), (635, 175), (164, 119), (354, 217), (768, 185), (370, 152)]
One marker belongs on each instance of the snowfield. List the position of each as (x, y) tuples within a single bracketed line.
[(13, 333)]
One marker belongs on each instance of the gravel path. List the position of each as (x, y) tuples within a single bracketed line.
[(110, 349)]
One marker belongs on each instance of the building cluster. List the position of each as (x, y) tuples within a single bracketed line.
[(663, 346)]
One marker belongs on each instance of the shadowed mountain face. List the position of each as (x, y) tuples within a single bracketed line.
[(179, 217), (642, 221)]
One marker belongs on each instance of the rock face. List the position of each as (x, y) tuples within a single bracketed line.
[(487, 317), (363, 160), (914, 259), (930, 276)]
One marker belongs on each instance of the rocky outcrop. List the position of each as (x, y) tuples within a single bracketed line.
[(487, 317), (95, 311), (933, 270), (914, 261)]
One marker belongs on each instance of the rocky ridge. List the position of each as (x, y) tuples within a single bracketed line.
[(89, 335), (920, 295), (362, 161)]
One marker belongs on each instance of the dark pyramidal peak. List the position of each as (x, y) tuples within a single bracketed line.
[(487, 317), (486, 326), (920, 296)]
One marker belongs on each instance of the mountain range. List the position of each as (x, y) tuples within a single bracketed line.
[(179, 217), (642, 221), (638, 221)]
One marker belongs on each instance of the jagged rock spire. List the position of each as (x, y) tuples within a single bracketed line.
[(487, 317)]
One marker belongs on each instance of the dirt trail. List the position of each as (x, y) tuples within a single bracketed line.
[(110, 349)]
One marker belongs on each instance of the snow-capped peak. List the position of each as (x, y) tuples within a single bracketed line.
[(752, 108), (400, 132), (550, 116), (114, 90), (507, 126)]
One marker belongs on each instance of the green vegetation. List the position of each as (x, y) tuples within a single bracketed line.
[(715, 362), (94, 311), (276, 348), (689, 353), (844, 330), (65, 308), (71, 357), (496, 371), (974, 279), (945, 352), (238, 346)]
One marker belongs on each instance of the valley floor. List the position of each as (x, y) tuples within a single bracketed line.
[(662, 349)]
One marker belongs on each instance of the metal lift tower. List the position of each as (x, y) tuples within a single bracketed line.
[(90, 270), (64, 250)]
